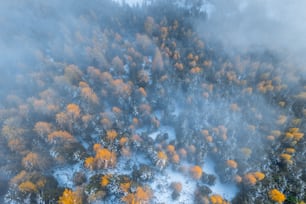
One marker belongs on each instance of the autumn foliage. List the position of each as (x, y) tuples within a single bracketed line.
[(253, 177), (217, 199), (70, 197), (232, 163), (141, 196), (60, 136), (196, 172), (103, 159), (276, 196)]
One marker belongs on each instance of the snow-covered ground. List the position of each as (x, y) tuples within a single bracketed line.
[(227, 190), (64, 175), (162, 190), (162, 181)]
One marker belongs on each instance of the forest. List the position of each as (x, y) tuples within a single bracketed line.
[(110, 103)]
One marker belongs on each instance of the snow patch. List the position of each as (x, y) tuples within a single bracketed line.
[(162, 190), (226, 190), (64, 175)]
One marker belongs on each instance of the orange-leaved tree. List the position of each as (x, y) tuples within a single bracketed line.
[(70, 197), (276, 196), (142, 195), (196, 172), (104, 158)]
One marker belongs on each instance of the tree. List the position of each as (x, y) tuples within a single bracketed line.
[(70, 197), (149, 25), (217, 199), (43, 129), (196, 172), (157, 64), (161, 159), (89, 163), (68, 117), (141, 196), (276, 196), (60, 136), (27, 187), (103, 158), (88, 94), (111, 134), (73, 111), (118, 64), (73, 74), (253, 177), (62, 119), (105, 180), (31, 161), (232, 163)]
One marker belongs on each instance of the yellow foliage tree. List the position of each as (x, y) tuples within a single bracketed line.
[(196, 172), (157, 64), (89, 95), (105, 180), (253, 177), (104, 158), (276, 196), (27, 187), (31, 160), (232, 163), (62, 136), (73, 111), (111, 134), (217, 199), (70, 197), (42, 128), (142, 195)]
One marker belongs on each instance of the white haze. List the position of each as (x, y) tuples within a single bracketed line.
[(277, 25)]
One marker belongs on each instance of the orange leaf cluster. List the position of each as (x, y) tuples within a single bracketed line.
[(276, 196), (42, 128), (232, 163), (171, 149), (89, 95), (118, 64), (120, 88), (157, 64), (253, 177), (125, 186), (217, 199), (195, 70), (111, 134), (70, 197), (142, 195), (175, 159), (162, 156), (105, 180), (103, 158), (73, 111), (294, 134), (27, 187), (30, 161), (60, 135), (286, 158), (196, 172)]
